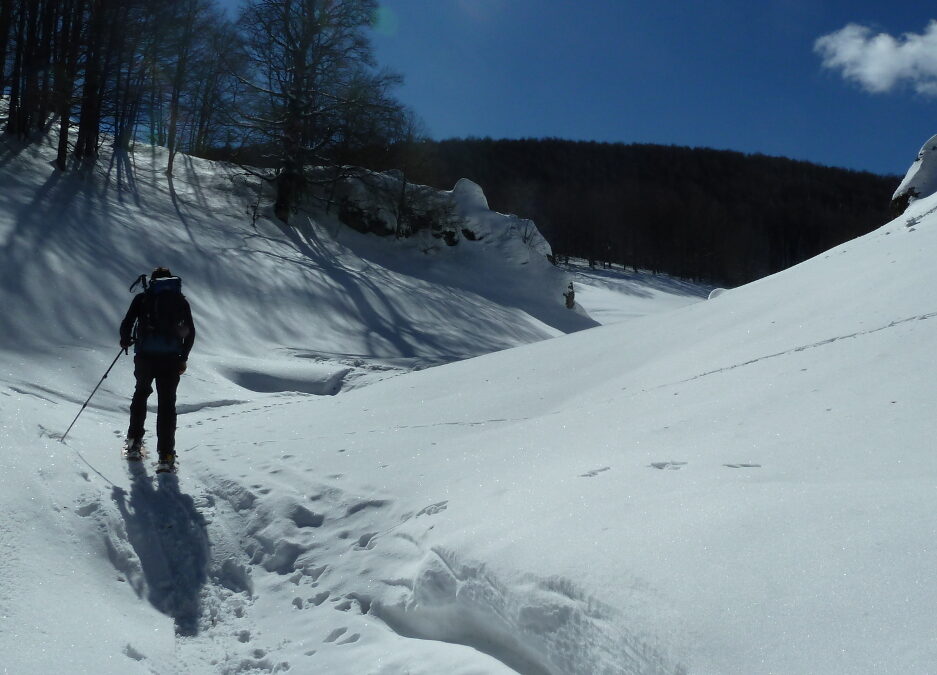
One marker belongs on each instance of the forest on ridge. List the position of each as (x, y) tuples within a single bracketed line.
[(290, 85), (713, 215)]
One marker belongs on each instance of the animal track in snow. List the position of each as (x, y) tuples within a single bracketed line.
[(672, 466), (366, 541), (303, 517), (319, 598), (802, 348), (594, 472), (354, 637), (361, 603), (335, 634), (369, 503), (314, 572), (133, 653), (433, 509), (87, 509)]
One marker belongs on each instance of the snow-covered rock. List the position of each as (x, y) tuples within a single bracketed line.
[(385, 204), (715, 293), (470, 196), (921, 179), (512, 232)]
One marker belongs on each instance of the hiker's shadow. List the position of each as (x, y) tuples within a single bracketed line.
[(170, 538)]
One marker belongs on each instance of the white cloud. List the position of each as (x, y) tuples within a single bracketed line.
[(881, 62)]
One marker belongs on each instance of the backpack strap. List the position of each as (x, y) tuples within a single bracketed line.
[(139, 281)]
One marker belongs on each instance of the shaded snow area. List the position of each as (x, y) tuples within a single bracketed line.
[(611, 295), (738, 485)]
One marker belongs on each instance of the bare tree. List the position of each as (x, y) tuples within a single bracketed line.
[(92, 86), (211, 91), (6, 22), (188, 17), (308, 77), (66, 70)]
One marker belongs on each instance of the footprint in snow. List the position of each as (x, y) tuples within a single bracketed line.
[(335, 634), (594, 472), (366, 504), (433, 509), (86, 510), (130, 651), (350, 639), (672, 466), (319, 598), (366, 541)]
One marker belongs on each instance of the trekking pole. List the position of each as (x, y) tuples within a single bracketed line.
[(62, 439)]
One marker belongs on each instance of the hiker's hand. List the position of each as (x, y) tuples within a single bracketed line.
[(182, 367), (125, 345)]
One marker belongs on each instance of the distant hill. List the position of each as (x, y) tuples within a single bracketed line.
[(699, 213)]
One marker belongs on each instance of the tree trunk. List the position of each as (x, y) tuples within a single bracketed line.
[(44, 61), (15, 110), (90, 115), (29, 110), (178, 81), (6, 22), (72, 14)]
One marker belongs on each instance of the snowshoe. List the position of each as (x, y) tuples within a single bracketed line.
[(166, 464), (134, 450)]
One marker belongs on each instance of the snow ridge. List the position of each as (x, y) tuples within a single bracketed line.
[(535, 627)]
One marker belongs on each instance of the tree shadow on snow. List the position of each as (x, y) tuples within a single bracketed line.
[(170, 539)]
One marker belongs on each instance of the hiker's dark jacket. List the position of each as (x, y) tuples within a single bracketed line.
[(187, 334)]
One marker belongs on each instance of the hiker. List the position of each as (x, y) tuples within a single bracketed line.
[(159, 326), (570, 296)]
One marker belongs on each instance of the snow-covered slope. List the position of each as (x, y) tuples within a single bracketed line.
[(342, 305), (614, 295), (742, 485)]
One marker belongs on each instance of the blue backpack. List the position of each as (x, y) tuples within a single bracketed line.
[(161, 324)]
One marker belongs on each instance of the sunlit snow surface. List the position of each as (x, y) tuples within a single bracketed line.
[(739, 485), (921, 177)]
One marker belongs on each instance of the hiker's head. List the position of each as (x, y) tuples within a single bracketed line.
[(160, 273)]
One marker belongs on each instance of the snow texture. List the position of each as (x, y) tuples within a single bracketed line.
[(738, 486)]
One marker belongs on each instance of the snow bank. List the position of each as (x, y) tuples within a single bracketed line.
[(384, 204), (921, 179)]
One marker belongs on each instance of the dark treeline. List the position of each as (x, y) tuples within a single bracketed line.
[(128, 69), (294, 77), (712, 215)]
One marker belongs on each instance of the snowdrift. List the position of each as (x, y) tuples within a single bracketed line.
[(920, 180)]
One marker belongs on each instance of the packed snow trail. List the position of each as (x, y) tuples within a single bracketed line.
[(169, 537), (232, 559)]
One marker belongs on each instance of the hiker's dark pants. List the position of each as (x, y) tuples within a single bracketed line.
[(165, 371)]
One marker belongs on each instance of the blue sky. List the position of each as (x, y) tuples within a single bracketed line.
[(731, 74)]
